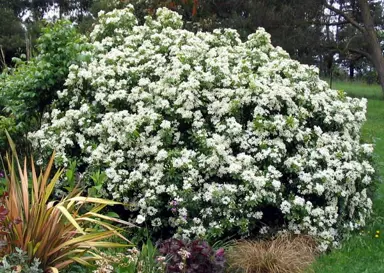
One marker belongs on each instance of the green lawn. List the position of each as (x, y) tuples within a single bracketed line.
[(363, 253)]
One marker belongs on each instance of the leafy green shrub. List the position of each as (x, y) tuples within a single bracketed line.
[(19, 261), (144, 260), (210, 136), (6, 124), (28, 89), (131, 261)]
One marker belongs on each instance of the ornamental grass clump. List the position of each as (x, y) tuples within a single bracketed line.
[(56, 233), (284, 254), (211, 136)]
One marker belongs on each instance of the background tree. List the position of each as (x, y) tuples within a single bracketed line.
[(290, 23), (362, 18), (12, 35), (28, 89), (325, 33)]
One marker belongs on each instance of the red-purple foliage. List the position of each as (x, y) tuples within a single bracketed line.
[(192, 257)]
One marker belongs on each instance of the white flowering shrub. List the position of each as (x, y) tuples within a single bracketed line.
[(208, 135)]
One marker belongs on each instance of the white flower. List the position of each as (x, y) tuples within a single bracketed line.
[(165, 124), (276, 184), (299, 201), (319, 188), (285, 207), (140, 219)]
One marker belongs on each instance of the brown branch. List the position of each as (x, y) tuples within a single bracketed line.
[(319, 23), (361, 52), (351, 39), (345, 15), (351, 50), (2, 58)]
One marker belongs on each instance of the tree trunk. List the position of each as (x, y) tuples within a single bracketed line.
[(372, 41), (351, 70)]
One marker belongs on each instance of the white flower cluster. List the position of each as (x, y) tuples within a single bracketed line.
[(208, 135)]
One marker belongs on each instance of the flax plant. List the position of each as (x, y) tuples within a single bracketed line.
[(53, 231)]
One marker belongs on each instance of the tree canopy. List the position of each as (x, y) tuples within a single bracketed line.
[(343, 34)]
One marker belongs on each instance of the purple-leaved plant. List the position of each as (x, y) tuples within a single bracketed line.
[(196, 256)]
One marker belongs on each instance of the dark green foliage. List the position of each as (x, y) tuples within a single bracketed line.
[(293, 25), (11, 36)]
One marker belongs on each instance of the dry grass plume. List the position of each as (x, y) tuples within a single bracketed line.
[(284, 254)]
